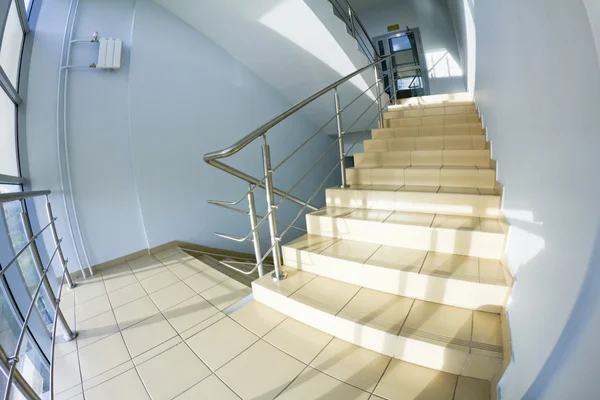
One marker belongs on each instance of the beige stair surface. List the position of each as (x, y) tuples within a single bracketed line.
[(449, 339), (407, 260), (469, 282)]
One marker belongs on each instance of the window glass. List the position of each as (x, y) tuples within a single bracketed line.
[(27, 4), (8, 151), (442, 65), (10, 50)]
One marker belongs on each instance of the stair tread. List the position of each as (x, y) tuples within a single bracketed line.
[(446, 266), (422, 189), (461, 329)]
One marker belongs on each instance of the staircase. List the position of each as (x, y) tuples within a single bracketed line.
[(407, 261)]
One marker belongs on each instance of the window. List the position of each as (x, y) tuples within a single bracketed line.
[(8, 145), (12, 41), (442, 65)]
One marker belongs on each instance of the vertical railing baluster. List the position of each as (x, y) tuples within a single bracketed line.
[(378, 89), (69, 335), (61, 256), (340, 134), (279, 274), (255, 235)]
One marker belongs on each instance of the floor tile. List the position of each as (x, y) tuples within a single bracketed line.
[(172, 295), (472, 389), (446, 322), (102, 356), (382, 311), (96, 328), (205, 280), (66, 372), (184, 270), (118, 277), (210, 388), (127, 386), (208, 322), (147, 334), (459, 190), (370, 215), (399, 258), (417, 188), (74, 393), (491, 225), (295, 280), (312, 384), (404, 381), (451, 266), (326, 294), (172, 372), (221, 342), (86, 291), (108, 375), (226, 293), (190, 312), (487, 331), (134, 312), (383, 188), (492, 272), (260, 372), (333, 212), (257, 318), (312, 243), (169, 253), (62, 348), (352, 364), (456, 222), (159, 281), (91, 308), (126, 295), (351, 250), (409, 218), (297, 339)]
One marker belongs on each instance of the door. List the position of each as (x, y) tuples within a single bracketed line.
[(408, 65)]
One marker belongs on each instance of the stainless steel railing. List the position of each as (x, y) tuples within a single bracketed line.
[(346, 12), (266, 182), (9, 364)]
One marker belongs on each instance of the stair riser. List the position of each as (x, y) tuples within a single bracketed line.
[(433, 130), (435, 203), (431, 111), (437, 100), (451, 158), (432, 120), (483, 179), (430, 355), (466, 142), (452, 292), (454, 241)]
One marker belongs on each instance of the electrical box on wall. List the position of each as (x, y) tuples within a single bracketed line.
[(109, 53)]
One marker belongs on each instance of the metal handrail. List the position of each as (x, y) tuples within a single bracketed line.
[(9, 364), (214, 159), (352, 15)]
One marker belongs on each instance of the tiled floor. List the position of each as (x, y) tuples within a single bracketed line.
[(160, 328)]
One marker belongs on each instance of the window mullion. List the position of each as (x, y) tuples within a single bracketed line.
[(22, 11), (8, 87)]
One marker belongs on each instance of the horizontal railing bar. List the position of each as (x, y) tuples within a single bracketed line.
[(15, 358), (239, 270), (358, 97), (246, 140), (11, 180), (365, 130), (213, 254), (6, 197), (363, 29), (16, 257), (254, 181), (218, 204)]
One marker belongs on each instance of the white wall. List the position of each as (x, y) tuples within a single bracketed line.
[(137, 135), (434, 21), (462, 12), (542, 119)]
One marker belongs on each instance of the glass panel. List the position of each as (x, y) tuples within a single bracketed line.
[(10, 50), (18, 239), (27, 5), (8, 151), (30, 365), (400, 43)]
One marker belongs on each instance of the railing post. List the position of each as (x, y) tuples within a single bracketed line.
[(340, 132), (69, 334), (379, 110), (18, 380), (279, 274), (61, 256), (255, 235)]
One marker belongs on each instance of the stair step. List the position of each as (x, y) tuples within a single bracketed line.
[(432, 120), (468, 236), (459, 142), (460, 281), (440, 337), (409, 112), (461, 129), (436, 100), (471, 202), (472, 177), (406, 158)]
